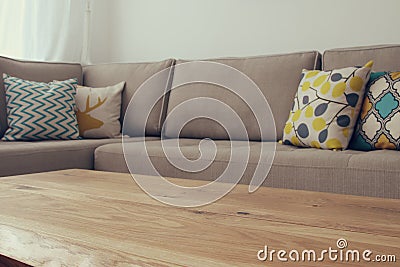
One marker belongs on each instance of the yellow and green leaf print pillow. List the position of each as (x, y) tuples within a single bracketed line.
[(326, 107)]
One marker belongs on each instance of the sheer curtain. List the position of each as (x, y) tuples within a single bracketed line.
[(48, 30)]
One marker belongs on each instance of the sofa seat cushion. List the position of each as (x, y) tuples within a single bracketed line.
[(344, 172), (110, 157), (378, 161), (29, 157), (373, 174)]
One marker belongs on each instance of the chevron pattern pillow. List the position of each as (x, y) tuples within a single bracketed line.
[(38, 111)]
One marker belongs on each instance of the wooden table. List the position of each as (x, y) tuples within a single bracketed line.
[(88, 218)]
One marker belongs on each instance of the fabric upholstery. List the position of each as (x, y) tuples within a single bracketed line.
[(134, 74), (30, 157), (373, 173), (277, 76), (104, 153), (33, 71), (385, 57)]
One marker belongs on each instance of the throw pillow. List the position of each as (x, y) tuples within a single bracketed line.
[(37, 110), (326, 107), (379, 123), (98, 111)]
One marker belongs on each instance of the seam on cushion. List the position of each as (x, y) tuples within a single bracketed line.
[(252, 57), (19, 156), (362, 48), (307, 167), (98, 150), (283, 165), (165, 98), (335, 168), (318, 57), (366, 48), (42, 62), (47, 141), (348, 161), (47, 151), (126, 63), (106, 152), (52, 150), (155, 156)]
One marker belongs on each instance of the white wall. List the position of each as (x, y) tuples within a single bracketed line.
[(147, 30)]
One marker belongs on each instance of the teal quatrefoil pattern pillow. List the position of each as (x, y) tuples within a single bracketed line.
[(40, 111), (379, 123)]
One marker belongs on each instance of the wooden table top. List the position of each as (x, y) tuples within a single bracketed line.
[(89, 218)]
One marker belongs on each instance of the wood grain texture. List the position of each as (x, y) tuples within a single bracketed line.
[(89, 218)]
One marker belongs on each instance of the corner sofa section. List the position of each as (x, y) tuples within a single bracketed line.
[(40, 156)]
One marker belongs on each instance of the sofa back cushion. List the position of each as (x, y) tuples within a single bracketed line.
[(277, 76), (134, 75), (385, 57), (33, 71)]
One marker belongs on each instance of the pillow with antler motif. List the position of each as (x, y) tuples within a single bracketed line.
[(98, 111)]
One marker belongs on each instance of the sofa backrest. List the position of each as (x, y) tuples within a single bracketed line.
[(385, 57), (33, 71), (134, 74), (277, 76)]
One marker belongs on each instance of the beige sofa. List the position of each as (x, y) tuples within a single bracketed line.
[(375, 173)]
